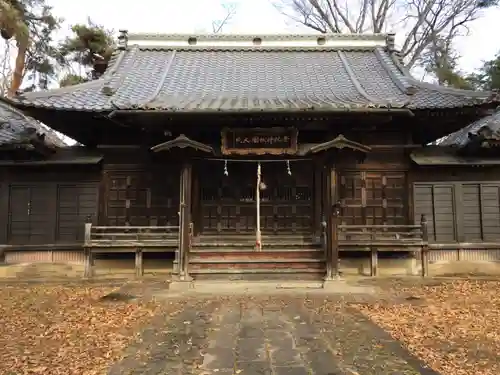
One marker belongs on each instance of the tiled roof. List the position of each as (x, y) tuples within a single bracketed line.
[(489, 127), (14, 126), (229, 73), (446, 156)]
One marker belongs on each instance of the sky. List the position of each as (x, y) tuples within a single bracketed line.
[(252, 16)]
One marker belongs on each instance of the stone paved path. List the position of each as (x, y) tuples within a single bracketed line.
[(267, 335)]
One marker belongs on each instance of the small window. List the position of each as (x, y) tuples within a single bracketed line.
[(321, 41), (257, 41), (192, 41)]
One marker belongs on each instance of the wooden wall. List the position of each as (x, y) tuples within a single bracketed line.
[(373, 189), (461, 204), (138, 189), (373, 197), (47, 205)]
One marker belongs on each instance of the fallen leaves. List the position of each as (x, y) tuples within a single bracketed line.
[(455, 327), (65, 329)]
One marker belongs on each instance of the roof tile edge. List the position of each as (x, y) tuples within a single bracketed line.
[(254, 40)]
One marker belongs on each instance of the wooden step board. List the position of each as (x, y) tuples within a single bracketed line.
[(245, 263), (245, 241)]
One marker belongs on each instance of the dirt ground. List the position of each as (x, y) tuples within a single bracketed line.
[(78, 327), (454, 326), (68, 329)]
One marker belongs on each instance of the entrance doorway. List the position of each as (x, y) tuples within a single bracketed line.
[(227, 197)]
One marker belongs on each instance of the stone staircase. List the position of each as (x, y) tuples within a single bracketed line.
[(234, 257)]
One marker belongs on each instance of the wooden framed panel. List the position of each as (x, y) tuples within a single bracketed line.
[(259, 141)]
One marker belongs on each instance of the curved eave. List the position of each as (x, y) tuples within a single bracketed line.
[(409, 84), (325, 110), (99, 96), (28, 100)]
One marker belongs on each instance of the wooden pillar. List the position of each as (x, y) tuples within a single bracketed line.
[(139, 264), (332, 214), (317, 198), (87, 249), (195, 197), (373, 256), (4, 210), (424, 252), (184, 220)]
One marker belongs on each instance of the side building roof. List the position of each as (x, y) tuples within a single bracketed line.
[(245, 73), (15, 128), (488, 128)]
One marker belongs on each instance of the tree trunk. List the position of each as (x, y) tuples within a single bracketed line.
[(17, 79)]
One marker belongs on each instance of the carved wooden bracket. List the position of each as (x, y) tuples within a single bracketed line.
[(339, 142), (183, 142)]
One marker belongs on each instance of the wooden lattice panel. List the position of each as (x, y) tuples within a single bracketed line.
[(372, 198)]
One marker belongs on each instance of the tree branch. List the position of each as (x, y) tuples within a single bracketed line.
[(230, 11), (423, 20)]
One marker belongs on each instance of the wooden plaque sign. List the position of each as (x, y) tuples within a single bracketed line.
[(259, 141)]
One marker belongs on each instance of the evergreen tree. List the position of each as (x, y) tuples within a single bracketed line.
[(488, 76), (89, 49), (441, 60), (31, 25)]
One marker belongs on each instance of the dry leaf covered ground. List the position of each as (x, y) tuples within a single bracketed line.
[(454, 326), (66, 329)]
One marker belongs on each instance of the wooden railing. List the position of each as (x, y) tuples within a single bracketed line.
[(388, 238), (372, 239), (131, 237), (138, 239)]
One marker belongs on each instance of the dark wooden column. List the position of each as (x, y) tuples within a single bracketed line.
[(184, 219), (196, 217), (332, 218), (4, 207), (318, 197)]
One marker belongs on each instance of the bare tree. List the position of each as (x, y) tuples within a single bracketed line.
[(5, 67), (423, 22), (229, 12)]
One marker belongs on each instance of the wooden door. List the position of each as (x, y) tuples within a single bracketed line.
[(29, 214), (227, 203), (287, 201)]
